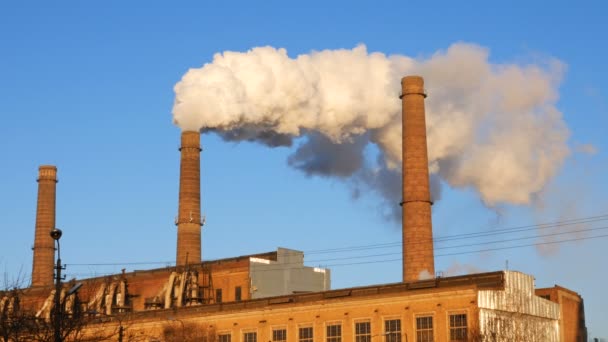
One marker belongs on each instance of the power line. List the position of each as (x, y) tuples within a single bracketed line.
[(525, 228), (396, 244), (470, 235), (399, 259), (124, 263), (383, 260), (476, 251), (523, 238), (467, 245), (439, 239), (527, 245)]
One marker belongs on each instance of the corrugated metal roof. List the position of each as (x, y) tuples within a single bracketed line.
[(516, 312), (518, 296)]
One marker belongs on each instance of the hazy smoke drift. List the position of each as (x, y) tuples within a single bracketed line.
[(491, 127)]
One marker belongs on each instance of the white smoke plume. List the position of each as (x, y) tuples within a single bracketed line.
[(587, 149), (493, 128), (456, 269), (425, 275)]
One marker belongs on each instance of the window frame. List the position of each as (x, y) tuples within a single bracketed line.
[(278, 328), (224, 333), (430, 315), (218, 295), (334, 338), (238, 293), (306, 326), (362, 336), (397, 337), (466, 326), (249, 331)]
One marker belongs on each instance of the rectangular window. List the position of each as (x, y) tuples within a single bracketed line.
[(223, 338), (279, 335), (334, 333), (237, 293), (250, 337), (363, 332), (424, 329), (458, 327), (218, 295), (392, 330), (305, 334)]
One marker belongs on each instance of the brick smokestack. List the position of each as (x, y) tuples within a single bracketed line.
[(418, 259), (189, 212), (44, 246)]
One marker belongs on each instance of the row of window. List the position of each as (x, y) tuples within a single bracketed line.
[(237, 294), (363, 331)]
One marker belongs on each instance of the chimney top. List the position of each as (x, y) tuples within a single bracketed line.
[(412, 85), (47, 172), (191, 139)]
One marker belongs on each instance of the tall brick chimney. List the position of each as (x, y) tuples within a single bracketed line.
[(44, 246), (418, 259), (189, 211)]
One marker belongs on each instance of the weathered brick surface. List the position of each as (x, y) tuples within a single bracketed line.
[(417, 227), (257, 316), (44, 248), (226, 275), (572, 312), (189, 214)]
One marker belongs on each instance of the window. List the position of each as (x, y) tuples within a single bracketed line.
[(458, 327), (250, 337), (223, 338), (237, 293), (218, 295), (305, 334), (363, 332), (334, 332), (392, 330), (279, 335), (424, 329)]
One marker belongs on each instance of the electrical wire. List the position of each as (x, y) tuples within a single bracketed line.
[(399, 259), (517, 229), (471, 235)]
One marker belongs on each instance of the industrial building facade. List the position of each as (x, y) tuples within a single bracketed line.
[(496, 306), (274, 297)]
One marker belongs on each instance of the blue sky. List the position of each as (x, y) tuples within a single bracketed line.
[(88, 86)]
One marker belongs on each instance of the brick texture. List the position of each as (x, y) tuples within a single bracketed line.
[(418, 259), (44, 248), (572, 312), (189, 215)]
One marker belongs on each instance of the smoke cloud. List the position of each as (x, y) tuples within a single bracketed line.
[(456, 269), (493, 128)]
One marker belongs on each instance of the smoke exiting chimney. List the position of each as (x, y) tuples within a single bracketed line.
[(418, 260), (44, 248), (189, 212)]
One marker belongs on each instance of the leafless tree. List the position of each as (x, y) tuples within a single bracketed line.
[(511, 326), (177, 331), (23, 324)]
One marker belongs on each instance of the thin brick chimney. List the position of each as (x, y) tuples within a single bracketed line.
[(189, 211), (44, 247), (418, 259)]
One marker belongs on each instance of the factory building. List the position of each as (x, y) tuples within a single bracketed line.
[(277, 273), (497, 306), (273, 297)]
